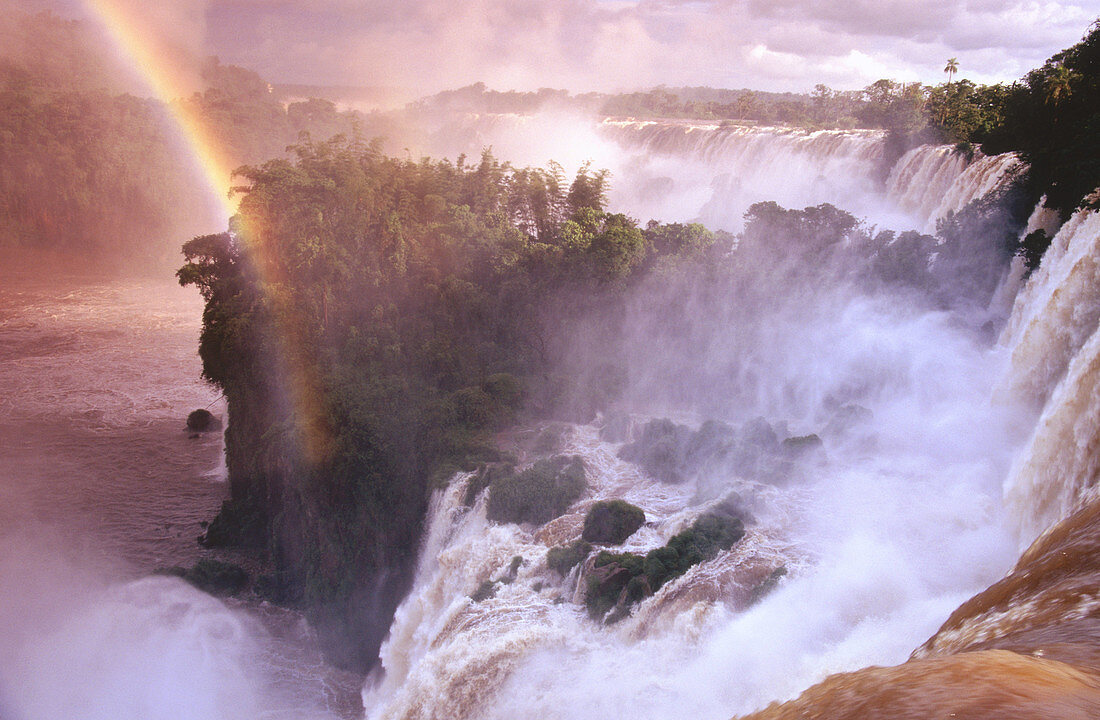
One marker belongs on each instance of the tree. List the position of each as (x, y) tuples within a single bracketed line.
[(951, 68), (1058, 85)]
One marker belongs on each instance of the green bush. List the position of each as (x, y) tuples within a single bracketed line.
[(611, 522), (620, 580), (484, 478), (538, 494), (484, 591), (562, 559)]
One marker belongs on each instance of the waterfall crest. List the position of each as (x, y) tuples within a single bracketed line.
[(1055, 370), (931, 181), (679, 171)]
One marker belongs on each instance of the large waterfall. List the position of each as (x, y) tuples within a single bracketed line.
[(690, 171), (922, 496)]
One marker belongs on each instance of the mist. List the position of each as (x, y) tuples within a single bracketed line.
[(811, 323)]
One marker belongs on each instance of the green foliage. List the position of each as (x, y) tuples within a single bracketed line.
[(538, 494), (611, 522), (88, 167), (412, 305), (620, 580), (484, 591), (563, 559), (1032, 248), (1052, 119)]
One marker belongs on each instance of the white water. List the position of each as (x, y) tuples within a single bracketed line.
[(100, 484), (679, 171), (880, 545), (931, 181), (1056, 372), (902, 523)]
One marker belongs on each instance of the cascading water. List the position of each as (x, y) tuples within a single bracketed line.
[(1055, 347), (931, 181), (683, 171), (880, 538), (729, 168)]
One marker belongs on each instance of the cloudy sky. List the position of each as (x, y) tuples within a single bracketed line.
[(429, 45)]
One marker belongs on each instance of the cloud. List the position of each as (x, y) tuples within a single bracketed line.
[(429, 45)]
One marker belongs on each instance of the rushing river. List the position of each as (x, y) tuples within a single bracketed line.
[(100, 485)]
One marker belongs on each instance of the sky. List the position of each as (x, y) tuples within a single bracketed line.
[(423, 46)]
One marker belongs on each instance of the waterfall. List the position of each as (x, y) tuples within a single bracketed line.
[(1052, 335), (681, 171), (724, 169), (931, 181), (848, 562)]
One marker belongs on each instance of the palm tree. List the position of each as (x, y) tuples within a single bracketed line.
[(1059, 85), (951, 69)]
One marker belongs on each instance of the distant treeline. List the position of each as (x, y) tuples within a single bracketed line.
[(85, 166), (1050, 117)]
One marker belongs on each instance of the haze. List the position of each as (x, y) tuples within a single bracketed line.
[(423, 46)]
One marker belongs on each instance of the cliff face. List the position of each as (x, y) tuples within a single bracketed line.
[(347, 562)]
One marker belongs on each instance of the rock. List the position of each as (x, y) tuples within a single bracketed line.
[(802, 446), (552, 438), (202, 420), (661, 450), (484, 591), (607, 582), (564, 558), (212, 576), (485, 477), (538, 494), (611, 522), (617, 581)]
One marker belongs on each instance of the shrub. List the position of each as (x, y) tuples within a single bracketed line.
[(484, 591), (611, 522), (620, 580), (486, 476), (538, 494), (562, 559)]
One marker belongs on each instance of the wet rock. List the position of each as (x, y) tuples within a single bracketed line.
[(538, 494), (611, 522), (564, 558), (212, 576), (802, 446), (202, 420), (552, 438), (661, 450)]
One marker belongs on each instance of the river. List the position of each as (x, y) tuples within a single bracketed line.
[(100, 485)]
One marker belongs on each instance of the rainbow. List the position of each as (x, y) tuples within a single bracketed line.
[(124, 26), (125, 29)]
